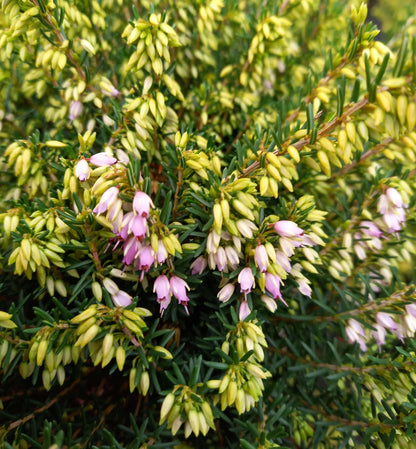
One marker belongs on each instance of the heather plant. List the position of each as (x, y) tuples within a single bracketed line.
[(207, 225)]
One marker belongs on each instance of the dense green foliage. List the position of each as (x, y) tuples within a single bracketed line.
[(207, 225)]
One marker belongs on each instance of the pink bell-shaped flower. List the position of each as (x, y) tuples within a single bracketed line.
[(261, 258), (246, 280), (108, 198), (82, 170), (102, 160), (244, 310), (162, 289), (141, 203), (121, 299), (286, 228), (178, 287), (226, 292)]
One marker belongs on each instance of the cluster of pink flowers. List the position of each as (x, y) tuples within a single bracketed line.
[(291, 237), (83, 170), (225, 258), (392, 209), (392, 216), (131, 229), (368, 238), (402, 326), (164, 288)]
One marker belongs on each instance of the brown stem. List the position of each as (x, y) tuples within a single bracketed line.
[(283, 6), (106, 412), (347, 422), (238, 136), (339, 368), (368, 154), (325, 130), (398, 297), (94, 251), (178, 187), (29, 417), (132, 338), (60, 40)]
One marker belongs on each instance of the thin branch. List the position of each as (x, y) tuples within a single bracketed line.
[(325, 130), (387, 141), (178, 187), (106, 412), (283, 6), (340, 368), (29, 417), (238, 136), (60, 40)]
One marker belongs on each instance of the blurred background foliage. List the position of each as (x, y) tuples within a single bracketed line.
[(391, 17)]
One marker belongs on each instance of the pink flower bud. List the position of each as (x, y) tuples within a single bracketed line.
[(369, 228), (246, 280), (246, 227), (226, 292), (213, 242), (386, 320), (126, 225), (269, 303), (394, 197), (162, 287), (75, 110), (232, 257), (161, 254), (138, 226), (107, 200), (198, 265), (244, 311), (286, 228), (220, 259), (273, 286), (382, 204), (115, 210), (141, 203), (393, 222), (399, 332), (379, 334), (178, 287), (411, 309), (357, 327), (392, 208), (131, 250), (82, 170), (102, 160), (121, 299), (283, 261), (261, 258), (355, 333), (146, 258), (304, 287)]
